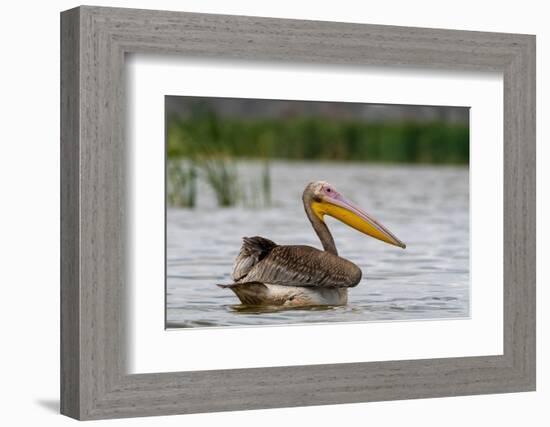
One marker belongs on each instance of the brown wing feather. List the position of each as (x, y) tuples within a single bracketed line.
[(253, 250), (303, 266)]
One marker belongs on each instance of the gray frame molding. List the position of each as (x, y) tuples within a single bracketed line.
[(94, 41)]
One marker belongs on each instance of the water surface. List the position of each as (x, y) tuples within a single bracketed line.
[(426, 207)]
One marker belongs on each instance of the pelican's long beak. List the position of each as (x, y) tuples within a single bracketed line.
[(339, 208)]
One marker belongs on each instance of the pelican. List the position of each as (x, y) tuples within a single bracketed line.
[(265, 273)]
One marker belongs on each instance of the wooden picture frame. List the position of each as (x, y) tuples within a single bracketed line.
[(94, 41)]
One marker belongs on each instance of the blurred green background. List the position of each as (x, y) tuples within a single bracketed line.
[(206, 136), (301, 130)]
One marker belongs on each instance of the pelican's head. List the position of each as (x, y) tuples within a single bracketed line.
[(323, 199)]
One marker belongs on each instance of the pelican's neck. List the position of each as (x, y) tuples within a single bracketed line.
[(321, 229)]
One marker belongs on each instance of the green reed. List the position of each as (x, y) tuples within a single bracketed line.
[(220, 172), (315, 138), (266, 183), (257, 190), (181, 182)]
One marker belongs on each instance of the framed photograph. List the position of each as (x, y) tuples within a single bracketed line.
[(261, 213)]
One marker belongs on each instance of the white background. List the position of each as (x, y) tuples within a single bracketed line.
[(152, 349), (29, 223)]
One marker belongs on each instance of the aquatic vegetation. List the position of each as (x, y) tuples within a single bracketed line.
[(257, 192), (207, 147), (181, 183), (220, 172), (266, 184), (316, 138)]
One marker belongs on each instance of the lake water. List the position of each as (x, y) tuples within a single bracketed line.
[(426, 207)]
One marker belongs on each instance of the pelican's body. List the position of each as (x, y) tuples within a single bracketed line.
[(269, 274)]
